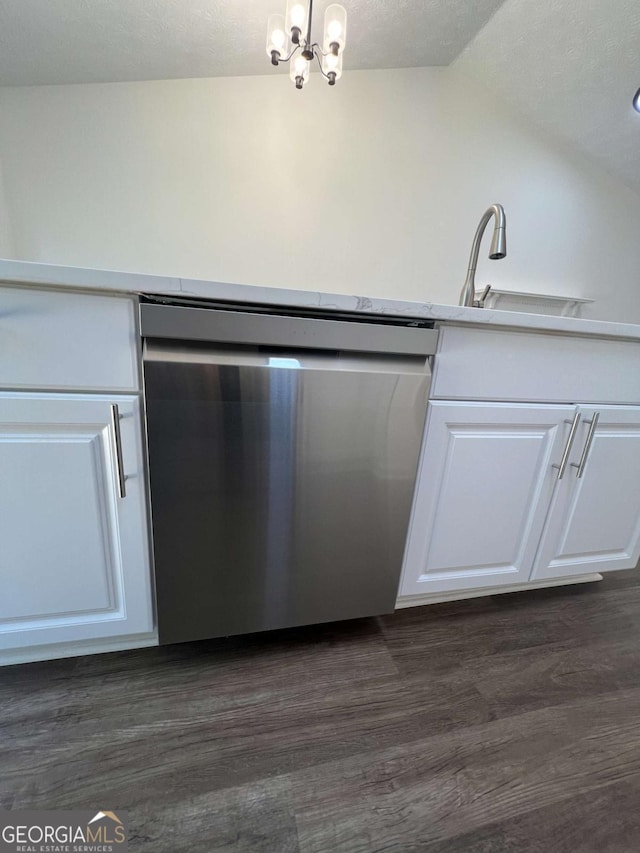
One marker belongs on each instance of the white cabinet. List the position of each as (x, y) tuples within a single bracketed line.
[(484, 485), (74, 554), (491, 510), (594, 519), (75, 569)]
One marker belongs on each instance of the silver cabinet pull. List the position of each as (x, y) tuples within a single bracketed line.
[(587, 445), (117, 444), (562, 467)]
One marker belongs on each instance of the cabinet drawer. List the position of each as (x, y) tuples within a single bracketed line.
[(485, 364), (50, 340)]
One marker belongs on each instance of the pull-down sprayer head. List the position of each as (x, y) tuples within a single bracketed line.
[(499, 240), (497, 251)]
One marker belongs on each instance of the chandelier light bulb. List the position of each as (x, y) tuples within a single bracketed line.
[(276, 39), (295, 20), (335, 28), (299, 71), (332, 67), (297, 15)]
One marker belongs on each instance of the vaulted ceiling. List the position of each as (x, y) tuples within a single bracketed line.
[(572, 68)]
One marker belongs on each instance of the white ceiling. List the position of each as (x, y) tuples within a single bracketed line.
[(572, 67), (90, 41)]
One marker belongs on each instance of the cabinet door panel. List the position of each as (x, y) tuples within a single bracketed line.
[(484, 486), (56, 506), (74, 563), (594, 523)]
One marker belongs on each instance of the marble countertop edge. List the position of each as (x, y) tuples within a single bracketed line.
[(26, 272)]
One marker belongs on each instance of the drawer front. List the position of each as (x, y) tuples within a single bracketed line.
[(485, 364), (57, 340)]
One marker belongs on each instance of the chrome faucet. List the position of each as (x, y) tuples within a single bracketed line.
[(498, 250)]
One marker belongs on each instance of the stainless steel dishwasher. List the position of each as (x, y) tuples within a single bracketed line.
[(282, 455)]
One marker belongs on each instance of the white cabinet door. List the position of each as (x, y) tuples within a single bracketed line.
[(484, 486), (594, 521), (74, 561)]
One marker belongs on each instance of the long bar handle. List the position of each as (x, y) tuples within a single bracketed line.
[(587, 445), (117, 442), (562, 467)]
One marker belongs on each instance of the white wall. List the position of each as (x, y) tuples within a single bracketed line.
[(6, 232), (374, 187)]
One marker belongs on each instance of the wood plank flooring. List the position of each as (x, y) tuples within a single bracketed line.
[(508, 723)]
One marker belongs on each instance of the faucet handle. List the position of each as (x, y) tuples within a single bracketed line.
[(479, 303)]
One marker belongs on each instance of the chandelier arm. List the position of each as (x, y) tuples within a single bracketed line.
[(287, 58), (315, 53)]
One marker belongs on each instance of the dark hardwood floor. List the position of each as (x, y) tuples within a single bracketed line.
[(509, 723)]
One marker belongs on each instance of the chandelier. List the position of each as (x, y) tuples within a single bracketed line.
[(289, 40)]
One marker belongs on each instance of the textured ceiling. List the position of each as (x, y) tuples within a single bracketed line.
[(572, 67), (89, 41)]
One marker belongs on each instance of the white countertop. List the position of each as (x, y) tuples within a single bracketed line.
[(23, 272)]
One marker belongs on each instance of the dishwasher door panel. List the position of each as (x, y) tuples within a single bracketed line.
[(280, 495)]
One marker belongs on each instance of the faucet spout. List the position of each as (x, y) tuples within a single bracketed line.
[(497, 251)]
